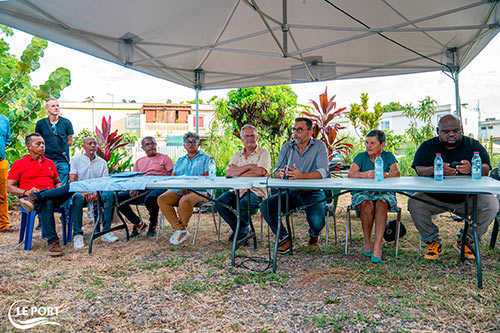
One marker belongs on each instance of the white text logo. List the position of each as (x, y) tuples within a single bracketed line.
[(37, 315)]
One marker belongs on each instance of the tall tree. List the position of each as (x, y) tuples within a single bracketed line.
[(20, 101)]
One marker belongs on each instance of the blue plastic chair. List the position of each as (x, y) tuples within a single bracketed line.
[(28, 222)]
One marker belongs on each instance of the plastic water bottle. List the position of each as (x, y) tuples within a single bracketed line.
[(476, 166), (211, 169), (90, 210), (379, 168), (438, 168)]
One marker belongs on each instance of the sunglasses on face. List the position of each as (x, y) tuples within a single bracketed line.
[(456, 130), (192, 142)]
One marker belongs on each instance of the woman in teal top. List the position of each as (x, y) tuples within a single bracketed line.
[(373, 205)]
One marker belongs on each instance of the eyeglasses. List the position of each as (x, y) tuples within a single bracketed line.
[(149, 144), (455, 130), (298, 129), (192, 142), (54, 129)]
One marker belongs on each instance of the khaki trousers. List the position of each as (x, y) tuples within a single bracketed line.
[(4, 203), (168, 200)]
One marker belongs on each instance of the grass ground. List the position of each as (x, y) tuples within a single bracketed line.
[(146, 285)]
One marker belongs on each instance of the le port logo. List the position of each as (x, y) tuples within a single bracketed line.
[(23, 315)]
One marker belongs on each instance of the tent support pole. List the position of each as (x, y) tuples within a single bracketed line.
[(197, 119), (457, 96)]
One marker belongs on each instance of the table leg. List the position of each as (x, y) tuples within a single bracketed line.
[(278, 230), (476, 242), (238, 222)]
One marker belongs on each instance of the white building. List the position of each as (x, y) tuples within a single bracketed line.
[(398, 123), (490, 128)]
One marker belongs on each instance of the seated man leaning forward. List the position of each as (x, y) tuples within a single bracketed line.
[(153, 163), (302, 158), (89, 166), (194, 163), (454, 147), (34, 178), (252, 161)]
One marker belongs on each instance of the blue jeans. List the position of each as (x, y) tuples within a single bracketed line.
[(47, 201), (63, 171), (315, 214), (108, 199), (229, 198), (151, 205)]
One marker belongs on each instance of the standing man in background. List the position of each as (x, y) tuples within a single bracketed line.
[(57, 132), (4, 168)]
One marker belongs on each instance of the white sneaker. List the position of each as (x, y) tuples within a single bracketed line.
[(78, 242), (179, 236), (184, 235), (109, 237)]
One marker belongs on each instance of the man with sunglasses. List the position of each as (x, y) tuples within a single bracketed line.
[(194, 163), (57, 132), (302, 158), (153, 163), (457, 151)]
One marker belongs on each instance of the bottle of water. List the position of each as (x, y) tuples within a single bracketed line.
[(211, 169), (476, 166), (90, 210), (438, 168), (379, 168)]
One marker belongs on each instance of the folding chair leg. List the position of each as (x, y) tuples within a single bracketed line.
[(196, 230), (218, 230), (335, 227), (326, 231), (215, 223), (398, 225), (347, 229), (261, 228)]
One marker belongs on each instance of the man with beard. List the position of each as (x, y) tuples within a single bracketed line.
[(154, 164), (454, 147)]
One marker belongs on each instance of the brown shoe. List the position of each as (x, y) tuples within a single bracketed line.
[(312, 245), (285, 247), (55, 249), (28, 203)]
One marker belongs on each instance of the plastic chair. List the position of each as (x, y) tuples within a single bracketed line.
[(348, 226), (28, 222), (494, 233)]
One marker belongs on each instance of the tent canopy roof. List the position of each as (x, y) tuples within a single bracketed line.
[(236, 43)]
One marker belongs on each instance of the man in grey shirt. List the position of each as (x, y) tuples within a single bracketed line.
[(302, 158)]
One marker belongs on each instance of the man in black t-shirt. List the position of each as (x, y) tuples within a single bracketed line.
[(57, 132), (454, 147)]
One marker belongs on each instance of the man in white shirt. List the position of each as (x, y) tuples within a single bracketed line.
[(89, 166)]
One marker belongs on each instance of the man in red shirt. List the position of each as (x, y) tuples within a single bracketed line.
[(34, 178)]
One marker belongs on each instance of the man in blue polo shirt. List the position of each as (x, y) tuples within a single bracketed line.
[(302, 158)]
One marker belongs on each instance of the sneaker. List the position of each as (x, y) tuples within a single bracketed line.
[(55, 249), (179, 236), (284, 246), (312, 244), (468, 252), (28, 203), (78, 242), (434, 250), (138, 229), (109, 237)]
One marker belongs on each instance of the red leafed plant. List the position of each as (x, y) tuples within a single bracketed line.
[(325, 113), (107, 142)]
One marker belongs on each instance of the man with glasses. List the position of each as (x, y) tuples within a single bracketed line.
[(194, 163), (302, 158), (457, 151), (252, 161), (57, 132), (153, 163)]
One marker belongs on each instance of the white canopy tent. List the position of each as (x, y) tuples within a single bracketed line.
[(214, 44)]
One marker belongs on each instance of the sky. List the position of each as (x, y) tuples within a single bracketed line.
[(108, 82)]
